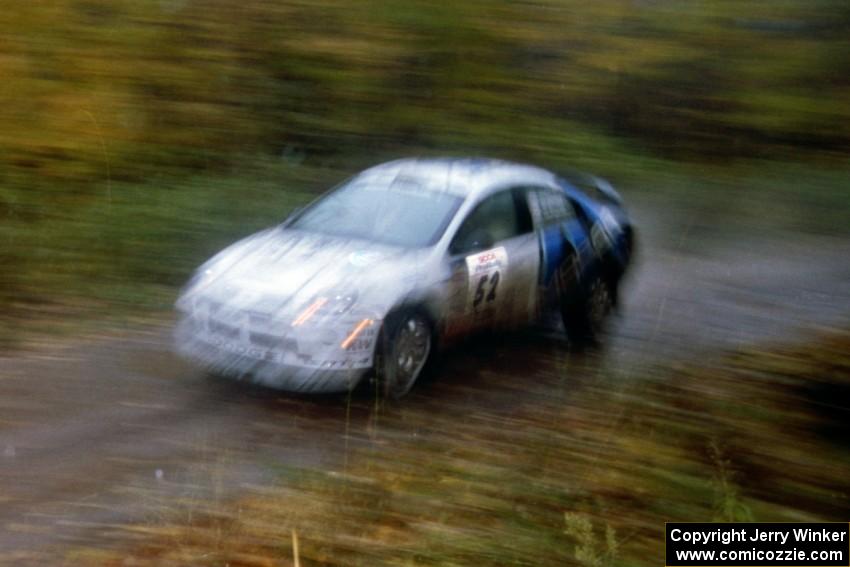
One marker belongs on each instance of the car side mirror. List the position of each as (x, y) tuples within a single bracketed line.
[(293, 215)]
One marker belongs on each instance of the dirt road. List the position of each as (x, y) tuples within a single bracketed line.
[(120, 430)]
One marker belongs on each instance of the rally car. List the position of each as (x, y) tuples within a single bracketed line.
[(402, 258)]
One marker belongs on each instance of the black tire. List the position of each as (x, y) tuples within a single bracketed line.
[(585, 308), (407, 341)]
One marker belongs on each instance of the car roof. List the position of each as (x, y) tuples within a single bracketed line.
[(464, 177)]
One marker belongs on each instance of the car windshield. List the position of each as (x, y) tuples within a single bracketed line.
[(398, 212)]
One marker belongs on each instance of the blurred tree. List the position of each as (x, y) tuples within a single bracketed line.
[(95, 88)]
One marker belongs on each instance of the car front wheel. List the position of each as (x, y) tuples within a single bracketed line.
[(407, 343)]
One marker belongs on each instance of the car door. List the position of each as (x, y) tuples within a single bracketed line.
[(578, 231), (559, 229), (561, 232), (494, 260)]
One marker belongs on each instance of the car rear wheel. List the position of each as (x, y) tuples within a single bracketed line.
[(585, 316), (407, 346)]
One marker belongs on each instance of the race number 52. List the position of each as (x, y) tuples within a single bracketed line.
[(486, 290), (486, 269)]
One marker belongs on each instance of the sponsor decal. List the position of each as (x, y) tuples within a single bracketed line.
[(486, 270)]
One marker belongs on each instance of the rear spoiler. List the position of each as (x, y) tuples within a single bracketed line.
[(606, 191)]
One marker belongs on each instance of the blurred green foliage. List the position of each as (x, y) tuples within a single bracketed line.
[(130, 247), (127, 126), (95, 88)]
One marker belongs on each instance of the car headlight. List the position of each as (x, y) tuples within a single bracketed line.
[(342, 302), (333, 303)]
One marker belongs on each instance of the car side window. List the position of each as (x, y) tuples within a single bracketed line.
[(498, 217), (526, 225), (553, 206)]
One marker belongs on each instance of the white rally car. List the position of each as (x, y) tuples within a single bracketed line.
[(399, 259)]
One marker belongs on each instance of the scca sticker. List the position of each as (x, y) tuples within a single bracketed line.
[(486, 271)]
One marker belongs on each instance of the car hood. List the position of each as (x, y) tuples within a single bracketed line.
[(296, 266)]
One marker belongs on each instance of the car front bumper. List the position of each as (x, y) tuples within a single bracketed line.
[(278, 368)]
